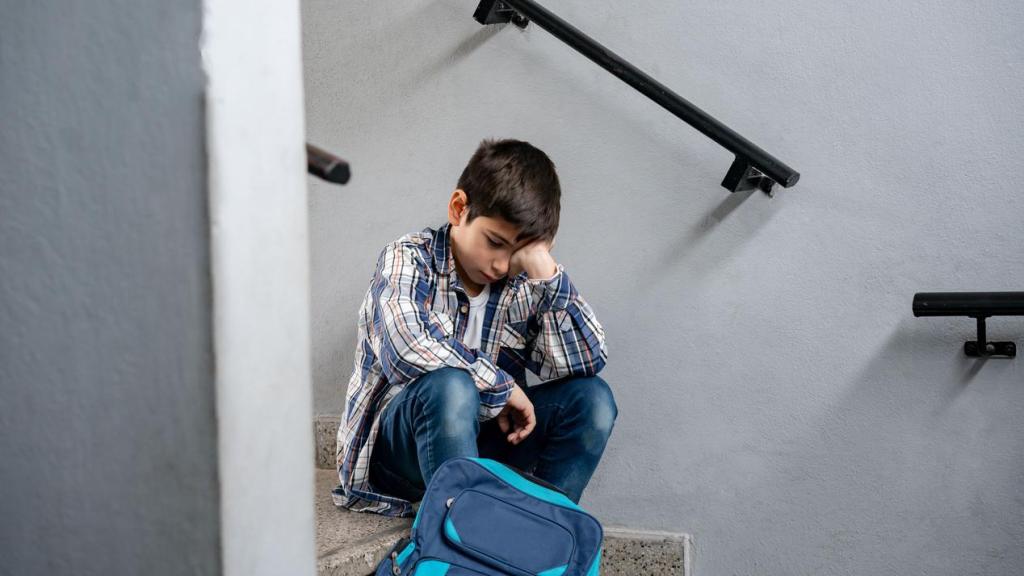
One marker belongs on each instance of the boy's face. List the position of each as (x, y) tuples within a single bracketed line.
[(482, 248)]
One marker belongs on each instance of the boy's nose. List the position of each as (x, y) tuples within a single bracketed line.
[(500, 268)]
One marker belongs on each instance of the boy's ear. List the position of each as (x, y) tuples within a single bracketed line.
[(458, 205)]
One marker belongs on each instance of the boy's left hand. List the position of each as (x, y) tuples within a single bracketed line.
[(517, 419), (535, 258)]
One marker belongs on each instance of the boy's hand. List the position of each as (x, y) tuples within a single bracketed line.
[(535, 258), (517, 416)]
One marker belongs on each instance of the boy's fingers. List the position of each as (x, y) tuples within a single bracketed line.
[(514, 436), (513, 431), (530, 425), (522, 432), (521, 435), (530, 420), (503, 422), (522, 422)]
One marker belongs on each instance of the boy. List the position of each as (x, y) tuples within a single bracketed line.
[(451, 321)]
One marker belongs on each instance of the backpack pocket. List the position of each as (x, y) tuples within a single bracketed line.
[(509, 538), (432, 567)]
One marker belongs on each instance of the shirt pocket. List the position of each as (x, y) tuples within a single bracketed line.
[(445, 322), (519, 308), (513, 335)]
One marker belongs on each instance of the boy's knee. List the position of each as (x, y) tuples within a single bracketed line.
[(605, 411), (597, 404), (449, 391)]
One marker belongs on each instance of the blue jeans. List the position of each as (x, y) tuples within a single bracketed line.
[(435, 418)]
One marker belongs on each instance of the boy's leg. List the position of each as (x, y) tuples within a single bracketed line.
[(433, 419), (575, 417)]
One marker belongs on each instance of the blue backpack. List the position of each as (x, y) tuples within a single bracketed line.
[(482, 517)]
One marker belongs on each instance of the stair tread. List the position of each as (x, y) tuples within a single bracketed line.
[(352, 543)]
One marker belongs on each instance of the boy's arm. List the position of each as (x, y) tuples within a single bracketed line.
[(567, 339), (410, 344)]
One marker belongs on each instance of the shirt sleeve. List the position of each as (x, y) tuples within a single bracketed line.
[(567, 339), (409, 343)]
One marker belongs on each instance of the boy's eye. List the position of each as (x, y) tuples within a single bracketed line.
[(493, 243)]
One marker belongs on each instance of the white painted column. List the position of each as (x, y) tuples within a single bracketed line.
[(258, 220)]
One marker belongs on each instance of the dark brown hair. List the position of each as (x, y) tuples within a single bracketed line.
[(512, 180)]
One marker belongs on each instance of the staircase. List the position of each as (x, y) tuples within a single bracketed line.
[(352, 543)]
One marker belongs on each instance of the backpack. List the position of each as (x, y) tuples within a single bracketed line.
[(480, 517)]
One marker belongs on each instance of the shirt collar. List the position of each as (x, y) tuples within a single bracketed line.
[(444, 262)]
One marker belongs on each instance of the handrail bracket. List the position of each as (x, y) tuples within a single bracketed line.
[(497, 12), (743, 175), (981, 348)]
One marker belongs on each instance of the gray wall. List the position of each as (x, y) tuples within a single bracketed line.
[(107, 431), (778, 400)]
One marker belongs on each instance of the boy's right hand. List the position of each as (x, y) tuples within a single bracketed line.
[(517, 416), (535, 258)]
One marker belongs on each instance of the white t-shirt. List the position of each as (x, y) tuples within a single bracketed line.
[(475, 324)]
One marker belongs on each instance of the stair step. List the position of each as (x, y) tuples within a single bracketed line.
[(352, 543)]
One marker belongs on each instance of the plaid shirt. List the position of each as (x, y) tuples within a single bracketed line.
[(412, 321)]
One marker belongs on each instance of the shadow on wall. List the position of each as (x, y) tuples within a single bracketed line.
[(411, 68), (914, 457), (709, 242), (683, 248), (459, 52), (407, 64)]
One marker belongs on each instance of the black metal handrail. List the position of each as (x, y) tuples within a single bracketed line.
[(327, 166), (979, 305), (752, 168)]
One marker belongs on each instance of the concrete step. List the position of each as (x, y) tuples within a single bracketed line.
[(352, 543)]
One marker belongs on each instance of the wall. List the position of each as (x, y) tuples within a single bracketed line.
[(778, 400), (107, 431)]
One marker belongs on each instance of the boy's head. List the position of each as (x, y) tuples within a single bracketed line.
[(507, 197)]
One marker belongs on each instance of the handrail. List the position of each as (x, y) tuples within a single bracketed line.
[(972, 304), (325, 165), (752, 168), (978, 305)]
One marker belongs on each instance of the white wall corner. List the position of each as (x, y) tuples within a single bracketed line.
[(259, 241)]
